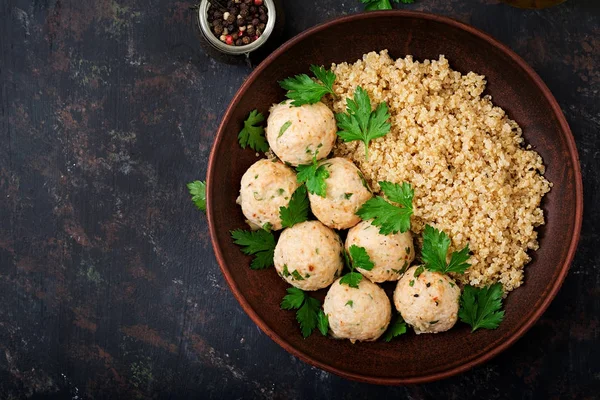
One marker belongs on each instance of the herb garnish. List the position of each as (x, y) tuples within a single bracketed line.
[(388, 217), (396, 328), (309, 314), (296, 210), (382, 4), (259, 243), (198, 191), (314, 176), (358, 259), (435, 251), (253, 135), (360, 123), (481, 307), (304, 90)]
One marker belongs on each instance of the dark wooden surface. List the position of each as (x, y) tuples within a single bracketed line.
[(108, 283)]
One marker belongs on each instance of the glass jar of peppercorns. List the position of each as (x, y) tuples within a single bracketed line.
[(237, 28)]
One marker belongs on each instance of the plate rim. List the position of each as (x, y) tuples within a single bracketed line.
[(528, 324)]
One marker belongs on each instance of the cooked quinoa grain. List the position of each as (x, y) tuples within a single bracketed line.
[(466, 160)]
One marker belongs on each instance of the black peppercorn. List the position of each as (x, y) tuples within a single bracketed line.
[(230, 19), (230, 4), (235, 36), (218, 30), (255, 21), (239, 42), (263, 18), (262, 10), (245, 40), (261, 27), (218, 14), (252, 9), (251, 30), (231, 28), (244, 13)]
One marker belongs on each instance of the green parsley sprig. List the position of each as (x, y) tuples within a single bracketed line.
[(435, 251), (359, 258), (302, 89), (314, 176), (260, 244), (198, 191), (309, 313), (360, 123), (252, 134), (396, 328), (382, 4), (296, 210), (388, 217), (481, 307)]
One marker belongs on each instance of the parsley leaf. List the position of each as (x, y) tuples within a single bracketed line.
[(198, 191), (388, 217), (360, 123), (296, 210), (382, 4), (351, 279), (435, 250), (304, 90), (314, 176), (252, 135), (259, 243), (309, 313), (396, 328), (481, 308), (323, 322), (360, 258), (293, 300)]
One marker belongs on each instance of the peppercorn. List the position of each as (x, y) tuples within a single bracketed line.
[(231, 28), (244, 13), (218, 14), (218, 29), (239, 42), (261, 27), (255, 21), (231, 19), (251, 30), (252, 9), (230, 4), (235, 36), (262, 10), (246, 40), (263, 18)]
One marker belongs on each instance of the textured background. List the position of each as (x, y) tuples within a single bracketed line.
[(108, 283)]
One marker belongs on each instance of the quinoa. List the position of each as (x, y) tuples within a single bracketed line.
[(472, 174)]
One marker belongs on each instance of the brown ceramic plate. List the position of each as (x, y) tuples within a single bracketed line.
[(514, 86)]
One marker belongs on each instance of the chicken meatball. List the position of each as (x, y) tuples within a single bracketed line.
[(361, 313), (265, 187), (428, 301), (346, 191), (296, 134), (391, 254), (309, 255)]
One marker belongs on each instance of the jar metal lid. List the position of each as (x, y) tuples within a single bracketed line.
[(235, 50)]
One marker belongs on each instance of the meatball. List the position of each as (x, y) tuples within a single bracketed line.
[(357, 314), (428, 302), (296, 134), (346, 192), (391, 254), (309, 255), (265, 187)]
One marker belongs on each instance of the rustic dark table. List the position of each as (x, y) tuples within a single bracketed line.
[(108, 283)]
